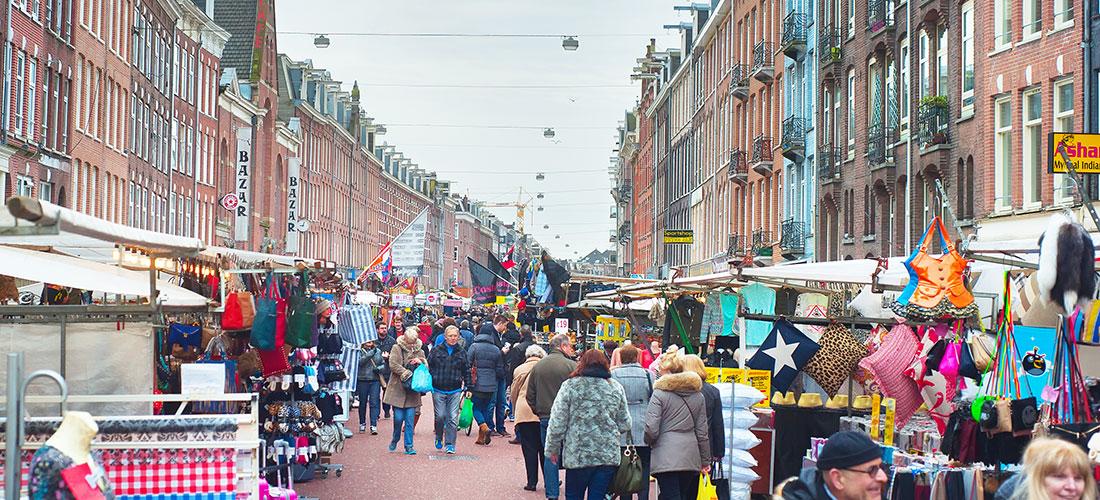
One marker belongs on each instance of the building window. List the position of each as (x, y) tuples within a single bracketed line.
[(924, 86), (1063, 13), (967, 98), (1032, 18), (1002, 24), (45, 191), (941, 60), (1063, 122), (851, 17), (1032, 147), (20, 70), (851, 113), (903, 86), (1002, 154), (24, 186)]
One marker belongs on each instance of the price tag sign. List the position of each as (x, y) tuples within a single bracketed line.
[(202, 378), (761, 380), (561, 325)]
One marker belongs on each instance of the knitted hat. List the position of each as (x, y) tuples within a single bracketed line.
[(846, 449)]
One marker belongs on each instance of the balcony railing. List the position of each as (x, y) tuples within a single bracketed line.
[(793, 239), (933, 122), (828, 161), (762, 242), (880, 145), (793, 142), (763, 65), (793, 40), (828, 45), (762, 154), (739, 81), (739, 166), (880, 16), (737, 246)]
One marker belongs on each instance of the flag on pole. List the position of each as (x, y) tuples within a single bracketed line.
[(509, 262), (381, 263), (482, 282), (503, 285)]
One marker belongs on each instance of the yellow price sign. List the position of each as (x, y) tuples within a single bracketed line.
[(761, 380)]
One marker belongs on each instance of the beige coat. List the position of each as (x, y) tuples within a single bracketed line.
[(400, 355), (518, 391)]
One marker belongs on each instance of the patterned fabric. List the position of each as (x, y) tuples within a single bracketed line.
[(156, 472), (183, 496), (833, 364), (936, 389), (758, 299), (784, 353), (712, 317), (356, 324), (887, 365), (588, 415)]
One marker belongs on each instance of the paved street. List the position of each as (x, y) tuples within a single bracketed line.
[(370, 471)]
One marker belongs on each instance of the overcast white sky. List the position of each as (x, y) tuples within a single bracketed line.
[(493, 164)]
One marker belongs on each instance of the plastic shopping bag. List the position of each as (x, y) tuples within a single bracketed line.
[(466, 416), (707, 490), (422, 379)]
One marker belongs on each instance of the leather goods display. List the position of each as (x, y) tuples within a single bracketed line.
[(265, 325), (301, 316), (240, 311), (936, 288)]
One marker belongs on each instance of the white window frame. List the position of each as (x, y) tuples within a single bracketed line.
[(45, 188), (32, 94), (903, 89), (941, 60), (1032, 19), (966, 49), (826, 119), (1063, 122), (1002, 155), (1063, 14), (851, 18), (924, 67), (1002, 24), (24, 186), (851, 125), (1031, 150), (20, 104)]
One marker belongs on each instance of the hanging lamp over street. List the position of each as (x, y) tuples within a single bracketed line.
[(321, 42), (570, 43)]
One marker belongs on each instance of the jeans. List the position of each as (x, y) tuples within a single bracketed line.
[(643, 454), (446, 416), (497, 406), (549, 469), (403, 416), (369, 391), (482, 412), (679, 485), (595, 480), (530, 440)]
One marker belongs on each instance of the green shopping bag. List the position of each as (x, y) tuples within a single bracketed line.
[(466, 416)]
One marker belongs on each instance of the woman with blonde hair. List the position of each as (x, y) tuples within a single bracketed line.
[(1053, 469), (716, 426)]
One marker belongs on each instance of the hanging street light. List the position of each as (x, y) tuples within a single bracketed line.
[(321, 42), (541, 196), (570, 43), (540, 209), (538, 177), (548, 133), (546, 227)]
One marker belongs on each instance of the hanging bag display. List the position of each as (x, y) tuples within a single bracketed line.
[(940, 290), (1003, 385), (267, 315), (302, 315)]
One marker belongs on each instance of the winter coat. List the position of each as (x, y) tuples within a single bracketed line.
[(676, 424), (425, 333), (715, 422), (486, 362), (399, 357), (516, 356), (588, 417), (637, 384), (546, 379), (371, 364), (385, 345), (450, 370), (808, 486), (467, 338), (518, 393)]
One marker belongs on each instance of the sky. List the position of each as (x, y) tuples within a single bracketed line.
[(450, 104)]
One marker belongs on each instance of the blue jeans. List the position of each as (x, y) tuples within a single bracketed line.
[(549, 469), (369, 391), (595, 480), (482, 412), (496, 405), (403, 416), (446, 416)]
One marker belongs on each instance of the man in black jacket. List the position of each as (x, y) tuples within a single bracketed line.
[(450, 373), (849, 467), (385, 344)]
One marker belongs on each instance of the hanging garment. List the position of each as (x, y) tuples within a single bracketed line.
[(719, 316), (690, 313), (758, 299), (940, 291), (730, 305), (785, 301)]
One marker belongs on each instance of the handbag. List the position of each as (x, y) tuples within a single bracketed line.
[(273, 361), (331, 370), (185, 335), (936, 289), (267, 315), (240, 311), (628, 478), (301, 316), (422, 379)]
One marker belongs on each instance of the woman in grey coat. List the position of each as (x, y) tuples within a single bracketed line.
[(637, 383), (676, 431)]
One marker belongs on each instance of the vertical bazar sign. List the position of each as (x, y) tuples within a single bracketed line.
[(243, 186), (408, 248), (293, 202)]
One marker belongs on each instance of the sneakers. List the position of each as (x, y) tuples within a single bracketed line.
[(373, 430), (438, 443), (410, 452), (362, 428), (450, 449), (393, 446)]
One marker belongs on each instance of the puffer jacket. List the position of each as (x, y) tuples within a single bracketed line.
[(676, 424), (486, 363), (399, 357), (587, 419), (637, 383)]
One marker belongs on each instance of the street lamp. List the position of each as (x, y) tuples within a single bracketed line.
[(321, 42), (548, 133), (540, 176), (541, 196), (570, 43), (546, 227)]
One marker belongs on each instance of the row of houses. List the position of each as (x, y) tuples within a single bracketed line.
[(181, 116), (799, 130)]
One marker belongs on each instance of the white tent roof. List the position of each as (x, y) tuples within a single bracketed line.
[(641, 305), (248, 256), (87, 275)]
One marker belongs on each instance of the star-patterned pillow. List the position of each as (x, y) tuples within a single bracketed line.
[(784, 352)]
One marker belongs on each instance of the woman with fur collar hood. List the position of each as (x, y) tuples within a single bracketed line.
[(676, 430), (406, 353)]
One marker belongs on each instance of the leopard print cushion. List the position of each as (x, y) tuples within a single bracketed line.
[(834, 363)]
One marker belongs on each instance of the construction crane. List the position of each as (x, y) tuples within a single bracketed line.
[(520, 205)]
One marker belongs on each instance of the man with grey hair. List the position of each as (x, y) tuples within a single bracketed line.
[(543, 384)]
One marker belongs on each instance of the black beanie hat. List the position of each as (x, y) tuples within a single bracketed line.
[(847, 449)]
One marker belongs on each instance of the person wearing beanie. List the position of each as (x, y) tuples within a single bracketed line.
[(849, 467)]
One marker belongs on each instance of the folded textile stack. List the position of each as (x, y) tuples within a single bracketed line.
[(737, 465)]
